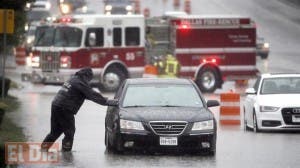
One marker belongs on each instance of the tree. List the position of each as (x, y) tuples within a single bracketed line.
[(20, 19)]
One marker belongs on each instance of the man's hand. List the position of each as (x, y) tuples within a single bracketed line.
[(113, 102)]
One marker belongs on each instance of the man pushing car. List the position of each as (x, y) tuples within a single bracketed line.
[(66, 104)]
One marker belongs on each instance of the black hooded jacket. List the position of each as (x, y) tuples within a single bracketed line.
[(74, 91)]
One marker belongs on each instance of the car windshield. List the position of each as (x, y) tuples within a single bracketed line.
[(58, 36), (284, 85), (162, 95)]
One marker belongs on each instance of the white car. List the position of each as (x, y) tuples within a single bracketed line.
[(273, 103)]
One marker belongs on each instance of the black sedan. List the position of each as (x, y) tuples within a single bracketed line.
[(168, 114)]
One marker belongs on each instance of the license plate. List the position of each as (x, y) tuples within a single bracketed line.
[(168, 141), (296, 118)]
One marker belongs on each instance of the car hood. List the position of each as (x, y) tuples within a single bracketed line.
[(280, 100), (146, 114)]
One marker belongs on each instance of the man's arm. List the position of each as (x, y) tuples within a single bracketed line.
[(90, 94)]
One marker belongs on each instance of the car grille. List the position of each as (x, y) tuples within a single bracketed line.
[(50, 61), (168, 127), (287, 114)]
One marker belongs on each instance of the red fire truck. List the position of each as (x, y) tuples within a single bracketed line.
[(212, 49), (209, 49), (113, 45)]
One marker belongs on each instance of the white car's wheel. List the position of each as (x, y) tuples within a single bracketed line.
[(255, 127), (246, 127)]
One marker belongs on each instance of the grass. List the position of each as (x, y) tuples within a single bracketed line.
[(9, 131), (11, 102)]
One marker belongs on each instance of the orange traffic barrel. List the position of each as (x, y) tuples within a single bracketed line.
[(150, 71), (230, 109), (20, 56)]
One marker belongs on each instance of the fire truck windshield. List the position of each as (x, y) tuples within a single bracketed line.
[(58, 36)]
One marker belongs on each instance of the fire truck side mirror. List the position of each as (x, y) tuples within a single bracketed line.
[(92, 39)]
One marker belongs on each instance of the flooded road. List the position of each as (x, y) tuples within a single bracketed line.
[(235, 147)]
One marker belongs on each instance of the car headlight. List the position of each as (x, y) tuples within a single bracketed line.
[(203, 125), (29, 40), (48, 5), (129, 8), (133, 125), (108, 7), (268, 108), (266, 45), (28, 5), (65, 8)]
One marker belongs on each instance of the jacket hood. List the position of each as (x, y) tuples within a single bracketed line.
[(85, 73)]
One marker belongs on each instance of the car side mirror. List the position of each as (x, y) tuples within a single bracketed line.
[(92, 39), (113, 102), (250, 91), (212, 103)]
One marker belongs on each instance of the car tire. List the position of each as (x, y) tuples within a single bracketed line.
[(246, 127), (107, 142), (208, 79), (213, 149), (118, 144), (255, 127), (112, 79)]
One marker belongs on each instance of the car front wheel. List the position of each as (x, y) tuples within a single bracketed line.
[(107, 142), (246, 128), (255, 127), (118, 144)]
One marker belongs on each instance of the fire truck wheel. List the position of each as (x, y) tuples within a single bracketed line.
[(112, 79), (207, 79)]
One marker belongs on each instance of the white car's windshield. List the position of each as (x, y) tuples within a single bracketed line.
[(283, 85), (162, 95)]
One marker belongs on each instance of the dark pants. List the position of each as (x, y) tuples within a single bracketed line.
[(62, 121)]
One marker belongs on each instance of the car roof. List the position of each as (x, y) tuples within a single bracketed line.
[(158, 81), (276, 75)]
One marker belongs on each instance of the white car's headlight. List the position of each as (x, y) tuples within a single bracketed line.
[(268, 108), (203, 125), (133, 125)]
